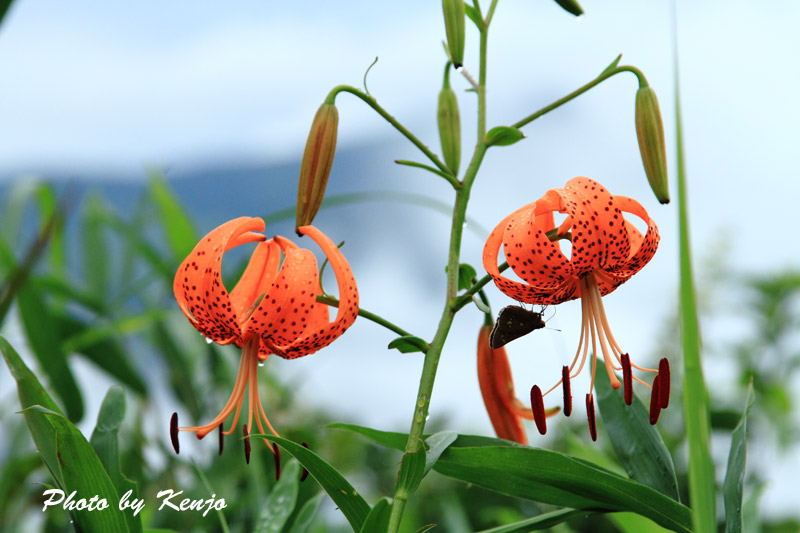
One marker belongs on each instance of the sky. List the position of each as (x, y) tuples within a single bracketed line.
[(111, 88)]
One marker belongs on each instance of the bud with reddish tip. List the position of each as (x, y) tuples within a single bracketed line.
[(455, 27), (449, 122), (317, 161), (650, 133)]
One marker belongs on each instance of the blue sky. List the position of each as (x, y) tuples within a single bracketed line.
[(114, 87)]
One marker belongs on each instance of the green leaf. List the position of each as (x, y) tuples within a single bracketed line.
[(557, 479), (306, 514), (95, 248), (32, 393), (636, 442), (702, 483), (42, 333), (409, 344), (106, 445), (466, 276), (542, 521), (378, 518), (611, 65), (280, 502), (503, 136), (634, 523), (101, 349), (438, 443), (544, 476), (83, 473), (474, 16), (733, 486), (177, 364), (412, 470), (179, 229), (352, 505)]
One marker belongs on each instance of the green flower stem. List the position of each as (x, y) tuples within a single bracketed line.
[(466, 298), (370, 101), (577, 92), (333, 302), (435, 349)]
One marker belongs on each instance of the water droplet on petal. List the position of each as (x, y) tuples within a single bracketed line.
[(209, 340), (261, 364)]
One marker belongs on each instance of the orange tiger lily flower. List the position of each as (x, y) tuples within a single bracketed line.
[(271, 310), (606, 251), (497, 388)]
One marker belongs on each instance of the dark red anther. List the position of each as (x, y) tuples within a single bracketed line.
[(246, 444), (663, 389), (590, 416), (627, 378), (304, 475), (567, 391), (276, 454), (655, 400), (537, 406), (220, 439), (173, 433)]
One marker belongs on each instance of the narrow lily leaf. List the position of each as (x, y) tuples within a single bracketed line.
[(634, 523), (544, 476), (424, 167), (542, 521), (557, 479), (220, 514), (95, 248), (82, 472), (104, 351), (412, 470), (409, 344), (280, 502), (31, 393), (179, 230), (702, 484), (474, 16), (306, 514), (145, 250), (106, 445), (733, 486), (378, 517), (636, 442), (612, 65), (352, 505), (503, 136), (438, 443), (42, 333)]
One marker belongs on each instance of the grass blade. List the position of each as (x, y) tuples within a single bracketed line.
[(702, 490), (733, 486)]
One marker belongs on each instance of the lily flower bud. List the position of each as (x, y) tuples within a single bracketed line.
[(316, 165), (650, 133), (449, 124), (455, 27)]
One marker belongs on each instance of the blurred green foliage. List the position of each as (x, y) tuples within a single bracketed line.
[(116, 312)]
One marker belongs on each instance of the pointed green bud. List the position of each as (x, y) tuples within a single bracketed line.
[(571, 6), (316, 165), (650, 132), (503, 136), (455, 27), (449, 123)]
